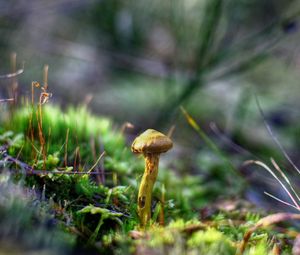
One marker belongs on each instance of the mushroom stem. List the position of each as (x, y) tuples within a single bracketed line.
[(146, 186), (151, 143)]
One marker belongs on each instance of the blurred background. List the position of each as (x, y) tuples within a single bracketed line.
[(139, 61)]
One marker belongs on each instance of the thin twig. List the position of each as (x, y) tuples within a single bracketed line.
[(279, 200), (101, 168), (207, 140), (97, 162), (264, 222), (30, 170), (7, 100), (171, 131), (274, 138), (213, 126), (45, 172), (284, 177), (11, 75), (66, 148), (264, 166)]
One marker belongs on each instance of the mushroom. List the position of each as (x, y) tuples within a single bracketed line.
[(151, 144)]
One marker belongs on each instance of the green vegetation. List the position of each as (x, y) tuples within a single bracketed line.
[(69, 181), (100, 214)]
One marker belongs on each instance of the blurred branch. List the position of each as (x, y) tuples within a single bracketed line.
[(245, 47), (149, 67), (7, 100), (256, 47), (254, 40), (12, 75), (191, 121), (256, 57), (208, 28), (29, 170), (274, 137), (229, 142), (17, 8)]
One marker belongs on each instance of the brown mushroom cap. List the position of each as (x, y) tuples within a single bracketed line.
[(151, 141)]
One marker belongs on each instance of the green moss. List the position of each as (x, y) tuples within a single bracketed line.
[(210, 242), (103, 214), (29, 222), (65, 132), (259, 249)]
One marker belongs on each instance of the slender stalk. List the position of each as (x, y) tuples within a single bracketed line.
[(11, 75), (14, 85), (162, 205), (46, 68), (273, 136), (146, 187), (264, 166), (95, 233), (66, 148), (7, 100)]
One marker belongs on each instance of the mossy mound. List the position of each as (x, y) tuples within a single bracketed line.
[(99, 214)]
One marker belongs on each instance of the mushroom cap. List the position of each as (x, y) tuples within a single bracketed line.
[(151, 141)]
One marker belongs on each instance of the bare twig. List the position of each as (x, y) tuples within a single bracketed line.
[(126, 125), (97, 162), (213, 126), (66, 148), (171, 131), (11, 75), (30, 170), (264, 166), (264, 222), (208, 141), (45, 172), (280, 200), (274, 138), (276, 166), (7, 100)]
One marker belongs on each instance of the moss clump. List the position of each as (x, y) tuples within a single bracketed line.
[(102, 213), (30, 222), (64, 133), (210, 242)]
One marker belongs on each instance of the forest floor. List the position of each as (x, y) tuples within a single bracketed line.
[(69, 185)]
